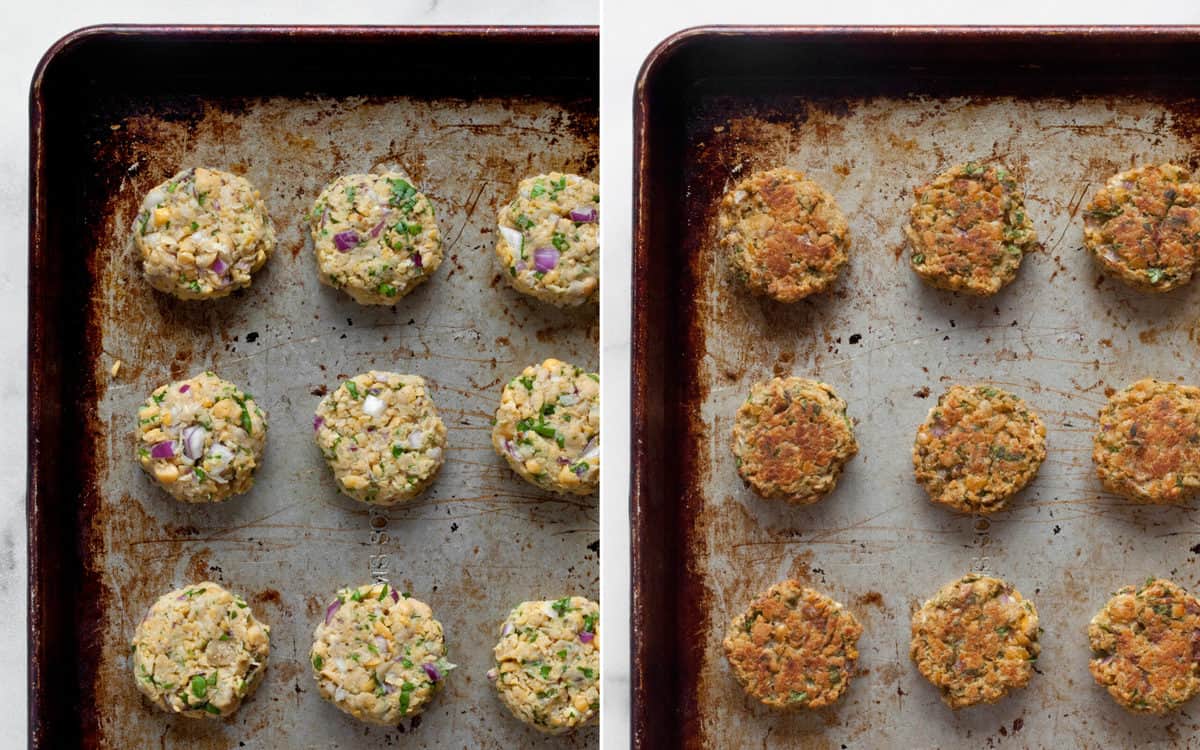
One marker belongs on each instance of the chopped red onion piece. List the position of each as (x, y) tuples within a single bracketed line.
[(586, 637), (165, 449), (378, 227), (515, 239), (193, 441), (591, 450), (511, 450), (416, 259), (584, 215), (432, 671), (346, 240), (317, 422), (520, 267), (219, 266), (492, 675), (395, 595), (545, 258), (184, 388), (332, 609)]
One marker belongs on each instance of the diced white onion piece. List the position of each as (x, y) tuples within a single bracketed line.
[(373, 405), (415, 439), (515, 239)]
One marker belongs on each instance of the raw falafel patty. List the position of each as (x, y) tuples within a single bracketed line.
[(548, 427), (201, 439), (785, 237), (199, 651), (968, 229), (379, 655), (547, 667), (1146, 647), (549, 240), (1144, 227), (1147, 447), (203, 233), (975, 640), (978, 447), (793, 647), (791, 438), (382, 437), (375, 237)]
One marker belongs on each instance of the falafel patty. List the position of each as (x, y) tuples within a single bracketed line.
[(547, 663), (791, 439), (203, 233), (382, 437), (199, 651), (379, 655), (784, 235), (793, 647), (1146, 646), (1143, 227), (968, 229), (375, 237), (975, 640), (549, 239), (977, 448), (1147, 447), (548, 427), (201, 439)]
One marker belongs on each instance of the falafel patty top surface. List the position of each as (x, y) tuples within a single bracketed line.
[(975, 640), (968, 229), (1143, 227), (791, 439), (793, 647), (1147, 447), (784, 235), (1146, 646), (978, 447)]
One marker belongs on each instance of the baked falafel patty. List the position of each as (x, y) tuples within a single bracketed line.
[(1143, 227), (1147, 447), (977, 448), (968, 229), (203, 233), (784, 235), (791, 439), (547, 663), (548, 427), (793, 647), (375, 237), (975, 640), (549, 239), (199, 651), (201, 439), (382, 437), (1146, 646), (379, 655)]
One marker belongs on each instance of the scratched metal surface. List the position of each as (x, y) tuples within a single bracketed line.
[(479, 541), (1060, 336)]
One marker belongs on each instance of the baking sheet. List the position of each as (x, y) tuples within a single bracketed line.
[(1060, 336), (478, 542)]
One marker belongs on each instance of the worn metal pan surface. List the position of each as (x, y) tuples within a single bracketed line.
[(467, 112), (869, 114)]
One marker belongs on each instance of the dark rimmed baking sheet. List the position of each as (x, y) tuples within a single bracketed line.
[(467, 112), (869, 113)]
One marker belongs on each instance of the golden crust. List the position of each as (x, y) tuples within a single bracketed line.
[(1146, 647), (977, 448), (968, 229), (792, 438), (1147, 447), (975, 640), (784, 235), (1143, 227), (793, 647)]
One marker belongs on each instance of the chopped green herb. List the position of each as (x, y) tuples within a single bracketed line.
[(562, 606), (352, 387)]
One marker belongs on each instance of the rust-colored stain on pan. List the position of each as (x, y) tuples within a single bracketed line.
[(870, 113), (467, 113)]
